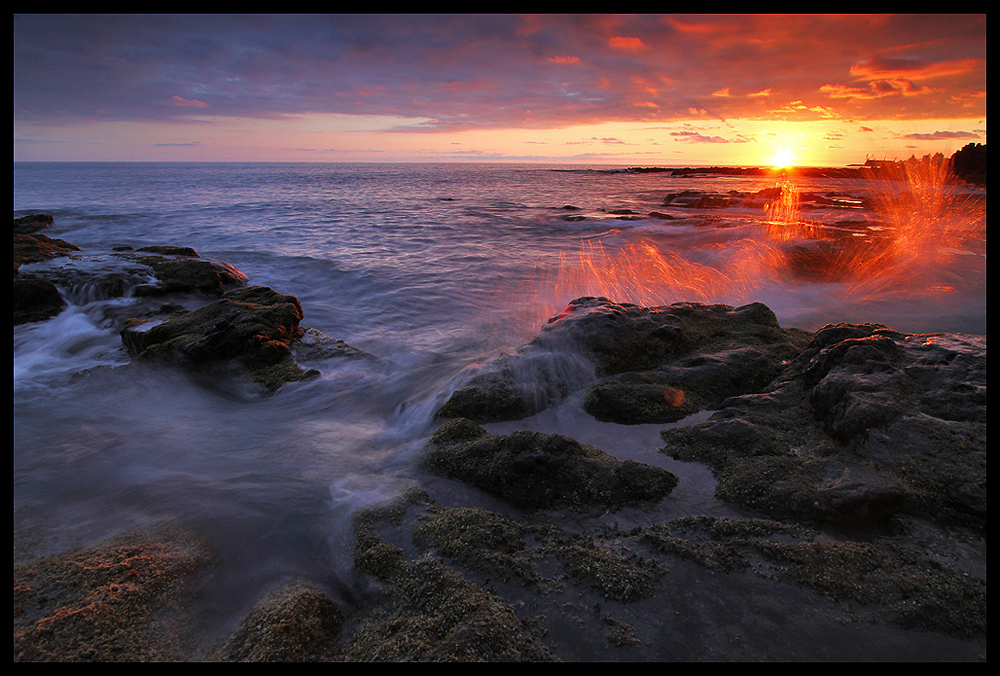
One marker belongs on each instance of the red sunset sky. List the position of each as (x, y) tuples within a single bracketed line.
[(610, 89)]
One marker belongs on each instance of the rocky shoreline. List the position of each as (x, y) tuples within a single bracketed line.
[(860, 451)]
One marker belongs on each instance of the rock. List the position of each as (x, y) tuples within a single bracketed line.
[(187, 274), (169, 250), (253, 326), (907, 586), (694, 200), (434, 613), (27, 225), (597, 338), (684, 386), (117, 601), (866, 423), (314, 345), (32, 248), (36, 300), (294, 623), (496, 547), (532, 470), (969, 163), (175, 269)]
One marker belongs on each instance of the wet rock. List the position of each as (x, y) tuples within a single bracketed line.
[(187, 274), (121, 600), (36, 300), (535, 471), (595, 338), (314, 345), (253, 326), (496, 547), (295, 623), (33, 248), (169, 250), (904, 585), (431, 612), (147, 272), (32, 223), (866, 423), (695, 200), (684, 386)]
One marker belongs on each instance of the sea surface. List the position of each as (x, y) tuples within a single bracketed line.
[(433, 269)]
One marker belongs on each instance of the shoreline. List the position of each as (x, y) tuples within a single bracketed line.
[(467, 583)]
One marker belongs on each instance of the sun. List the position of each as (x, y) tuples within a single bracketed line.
[(783, 157)]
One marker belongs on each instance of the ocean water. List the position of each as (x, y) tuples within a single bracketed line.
[(433, 269)]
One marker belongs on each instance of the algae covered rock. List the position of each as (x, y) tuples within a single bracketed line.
[(645, 360), (295, 623), (123, 599), (253, 326), (866, 423), (533, 470)]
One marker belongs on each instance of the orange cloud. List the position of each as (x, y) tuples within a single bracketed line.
[(564, 59), (626, 43), (914, 69)]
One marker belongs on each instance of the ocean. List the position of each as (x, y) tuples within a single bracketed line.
[(433, 269)]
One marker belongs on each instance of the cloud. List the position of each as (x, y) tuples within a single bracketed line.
[(876, 89), (690, 136), (188, 102), (914, 68), (454, 72), (625, 43), (938, 135)]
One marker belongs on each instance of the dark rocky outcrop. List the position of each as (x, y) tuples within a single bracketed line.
[(33, 248), (534, 471), (254, 329), (253, 326), (430, 611), (648, 361), (865, 423), (36, 300), (904, 585), (295, 623), (176, 269), (32, 223), (150, 271), (122, 600), (187, 274)]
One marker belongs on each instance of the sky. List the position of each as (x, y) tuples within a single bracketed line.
[(628, 90)]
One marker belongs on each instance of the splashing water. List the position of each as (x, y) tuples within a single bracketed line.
[(914, 237), (781, 214), (927, 229)]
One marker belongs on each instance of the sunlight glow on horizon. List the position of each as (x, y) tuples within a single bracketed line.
[(345, 138)]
